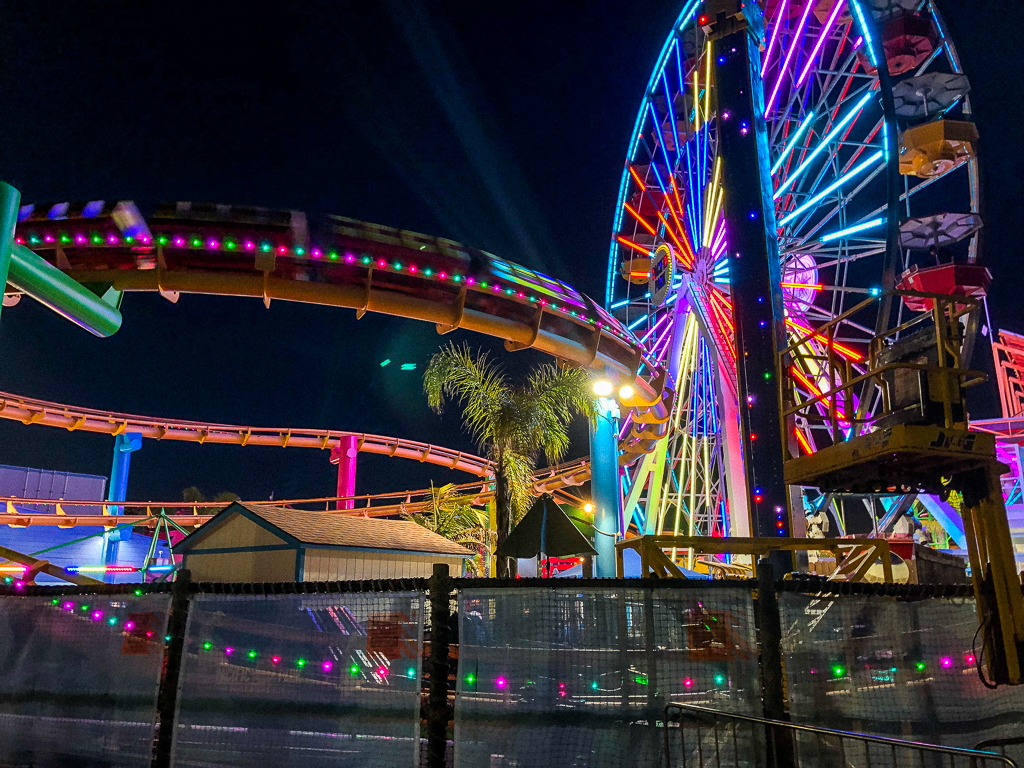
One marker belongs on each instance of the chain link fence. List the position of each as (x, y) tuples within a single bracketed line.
[(474, 673)]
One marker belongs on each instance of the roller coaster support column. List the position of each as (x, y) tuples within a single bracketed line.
[(737, 30), (604, 484), (344, 455), (10, 199), (124, 445)]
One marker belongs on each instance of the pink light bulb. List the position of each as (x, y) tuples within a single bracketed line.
[(130, 625), (382, 671), (327, 666), (501, 682), (249, 245), (688, 682), (946, 662), (275, 659), (228, 651), (97, 615)]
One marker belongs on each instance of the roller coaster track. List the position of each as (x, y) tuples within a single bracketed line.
[(32, 411), (281, 255), (556, 480)]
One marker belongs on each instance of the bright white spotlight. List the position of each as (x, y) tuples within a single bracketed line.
[(588, 507), (603, 388), (626, 392)]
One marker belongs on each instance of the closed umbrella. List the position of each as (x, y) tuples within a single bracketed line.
[(545, 529)]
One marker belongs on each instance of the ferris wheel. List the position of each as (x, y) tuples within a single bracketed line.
[(875, 184)]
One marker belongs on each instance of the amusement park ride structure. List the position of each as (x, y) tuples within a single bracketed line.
[(787, 351)]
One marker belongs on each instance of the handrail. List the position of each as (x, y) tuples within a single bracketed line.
[(863, 737)]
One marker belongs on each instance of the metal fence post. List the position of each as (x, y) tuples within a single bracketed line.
[(167, 696), (773, 693), (438, 711)]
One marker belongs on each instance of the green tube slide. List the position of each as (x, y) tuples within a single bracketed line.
[(49, 286)]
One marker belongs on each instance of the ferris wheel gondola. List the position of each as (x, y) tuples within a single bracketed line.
[(854, 152)]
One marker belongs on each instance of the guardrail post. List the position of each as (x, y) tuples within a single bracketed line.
[(773, 689), (170, 680), (438, 712)]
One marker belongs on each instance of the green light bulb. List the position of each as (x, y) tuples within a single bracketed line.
[(252, 654), (470, 679), (920, 666), (207, 646), (354, 670), (838, 670), (594, 685), (410, 672), (719, 679), (301, 663)]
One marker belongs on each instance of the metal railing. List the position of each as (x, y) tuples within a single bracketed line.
[(708, 738)]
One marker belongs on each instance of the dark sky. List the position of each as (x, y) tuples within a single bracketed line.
[(502, 125)]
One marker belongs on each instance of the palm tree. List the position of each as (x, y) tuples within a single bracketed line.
[(511, 424), (451, 515)]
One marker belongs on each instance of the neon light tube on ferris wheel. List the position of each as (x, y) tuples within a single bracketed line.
[(853, 172), (821, 41), (636, 322), (793, 46), (866, 30), (851, 230), (807, 123), (657, 325), (622, 303), (671, 113), (775, 35), (847, 119)]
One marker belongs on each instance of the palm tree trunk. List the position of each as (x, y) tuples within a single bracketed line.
[(506, 566)]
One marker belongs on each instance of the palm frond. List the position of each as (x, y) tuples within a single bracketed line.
[(518, 469), (558, 395), (455, 373)]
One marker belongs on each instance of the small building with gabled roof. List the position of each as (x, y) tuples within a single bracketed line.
[(263, 543)]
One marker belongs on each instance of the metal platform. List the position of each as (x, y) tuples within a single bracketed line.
[(898, 459)]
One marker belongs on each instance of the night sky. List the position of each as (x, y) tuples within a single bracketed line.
[(505, 128)]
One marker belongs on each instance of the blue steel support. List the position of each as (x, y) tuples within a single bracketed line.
[(604, 484), (737, 29), (124, 445)]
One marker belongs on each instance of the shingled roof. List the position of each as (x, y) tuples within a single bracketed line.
[(335, 530)]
